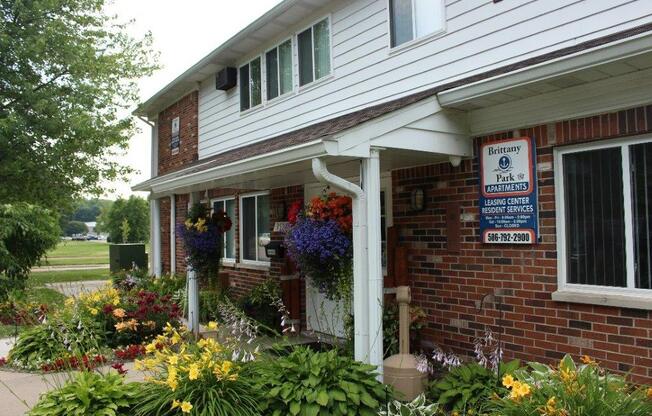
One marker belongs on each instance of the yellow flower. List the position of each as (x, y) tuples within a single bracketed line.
[(93, 311), (173, 360), (212, 326), (193, 372), (150, 348), (508, 381), (186, 407), (649, 393), (226, 367), (587, 360), (188, 224), (176, 403), (70, 301), (119, 313)]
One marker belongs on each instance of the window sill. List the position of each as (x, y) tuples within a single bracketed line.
[(395, 50), (605, 298), (262, 266), (315, 84)]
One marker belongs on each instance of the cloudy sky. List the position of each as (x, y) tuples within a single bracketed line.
[(183, 32)]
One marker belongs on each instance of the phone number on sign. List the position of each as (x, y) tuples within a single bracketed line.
[(513, 237)]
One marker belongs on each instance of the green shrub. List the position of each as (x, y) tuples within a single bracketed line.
[(570, 390), (258, 304), (320, 383), (89, 393), (418, 407), (43, 344), (468, 387)]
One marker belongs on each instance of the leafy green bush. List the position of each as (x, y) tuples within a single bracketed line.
[(417, 407), (468, 386), (27, 232), (43, 344), (257, 304), (570, 389), (89, 393), (320, 383)]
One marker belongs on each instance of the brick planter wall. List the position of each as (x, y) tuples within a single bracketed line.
[(448, 281)]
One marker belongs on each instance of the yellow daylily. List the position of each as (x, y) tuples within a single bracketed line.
[(186, 407)]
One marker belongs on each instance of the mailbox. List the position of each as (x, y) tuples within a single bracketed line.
[(275, 250)]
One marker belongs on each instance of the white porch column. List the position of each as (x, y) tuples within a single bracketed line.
[(173, 234), (155, 237), (371, 186), (193, 287)]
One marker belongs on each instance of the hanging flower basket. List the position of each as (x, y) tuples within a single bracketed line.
[(320, 243), (203, 236)]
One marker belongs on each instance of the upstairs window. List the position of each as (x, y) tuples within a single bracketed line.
[(250, 85), (314, 52), (278, 66), (414, 19), (605, 198)]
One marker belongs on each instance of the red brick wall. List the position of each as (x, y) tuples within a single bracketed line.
[(448, 285), (165, 234), (187, 111)]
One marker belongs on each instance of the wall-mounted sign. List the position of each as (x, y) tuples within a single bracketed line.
[(508, 192), (175, 139)]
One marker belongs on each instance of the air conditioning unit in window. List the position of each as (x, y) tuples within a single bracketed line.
[(226, 79)]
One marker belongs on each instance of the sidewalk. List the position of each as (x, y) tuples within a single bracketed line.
[(68, 268)]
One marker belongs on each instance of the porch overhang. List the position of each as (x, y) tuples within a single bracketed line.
[(420, 134), (609, 77)]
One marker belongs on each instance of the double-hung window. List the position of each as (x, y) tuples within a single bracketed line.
[(278, 68), (227, 205), (414, 19), (314, 46), (604, 209), (254, 226), (250, 84)]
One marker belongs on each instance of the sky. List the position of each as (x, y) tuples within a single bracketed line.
[(183, 33)]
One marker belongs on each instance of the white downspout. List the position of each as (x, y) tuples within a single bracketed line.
[(371, 185), (360, 286)]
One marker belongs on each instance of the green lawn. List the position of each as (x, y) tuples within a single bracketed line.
[(78, 252), (41, 278)]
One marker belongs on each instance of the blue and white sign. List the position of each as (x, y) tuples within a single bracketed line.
[(508, 192)]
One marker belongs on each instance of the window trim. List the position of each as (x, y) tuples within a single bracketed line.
[(593, 294), (241, 229), (262, 87), (224, 199), (416, 41), (311, 26), (279, 97)]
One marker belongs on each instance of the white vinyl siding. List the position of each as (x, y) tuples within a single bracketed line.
[(480, 36), (314, 46), (254, 224), (604, 202), (227, 205)]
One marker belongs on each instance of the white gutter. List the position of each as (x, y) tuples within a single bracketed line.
[(360, 287)]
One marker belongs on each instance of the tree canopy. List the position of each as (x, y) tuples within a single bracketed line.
[(127, 221), (68, 75)]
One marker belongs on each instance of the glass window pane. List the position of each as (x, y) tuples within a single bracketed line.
[(322, 49), (263, 223), (401, 21), (229, 247), (248, 223), (244, 88), (595, 229), (641, 161), (271, 64), (256, 98), (305, 57), (285, 65), (427, 17)]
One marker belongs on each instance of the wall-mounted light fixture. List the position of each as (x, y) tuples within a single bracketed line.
[(417, 200)]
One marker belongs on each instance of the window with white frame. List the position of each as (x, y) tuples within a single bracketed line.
[(604, 194), (414, 19), (254, 227), (314, 47), (278, 70), (250, 84), (227, 205)]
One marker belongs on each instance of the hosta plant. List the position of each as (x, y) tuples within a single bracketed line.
[(89, 393), (312, 383), (468, 387), (570, 389), (417, 407)]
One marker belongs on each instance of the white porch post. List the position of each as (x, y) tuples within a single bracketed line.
[(155, 237), (371, 186), (193, 287), (173, 235)]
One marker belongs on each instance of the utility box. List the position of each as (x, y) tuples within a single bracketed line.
[(124, 256)]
